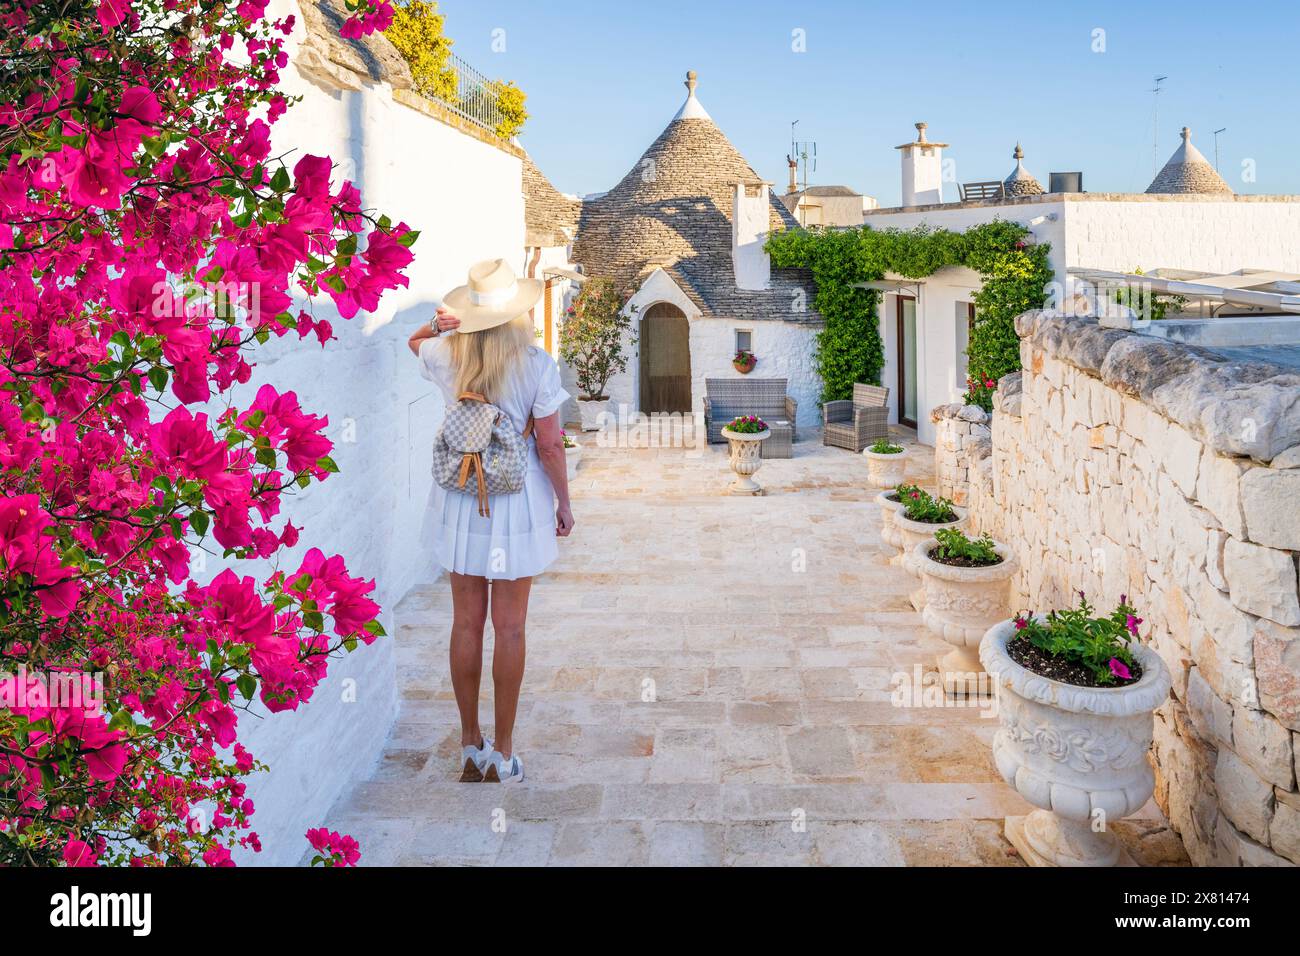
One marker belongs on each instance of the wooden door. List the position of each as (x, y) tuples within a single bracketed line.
[(665, 348)]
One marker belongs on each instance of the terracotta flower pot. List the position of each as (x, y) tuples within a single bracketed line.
[(744, 368), (746, 459), (1077, 753), (961, 604)]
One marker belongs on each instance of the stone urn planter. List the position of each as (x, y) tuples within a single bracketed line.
[(592, 410), (910, 534), (961, 604), (885, 471), (745, 459), (572, 456), (1077, 753), (888, 510)]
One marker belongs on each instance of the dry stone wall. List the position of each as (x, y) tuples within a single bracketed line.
[(962, 438), (1122, 464)]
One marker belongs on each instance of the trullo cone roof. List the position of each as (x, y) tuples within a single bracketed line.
[(1188, 172), (673, 210)]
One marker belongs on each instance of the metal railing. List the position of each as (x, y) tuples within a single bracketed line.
[(475, 97)]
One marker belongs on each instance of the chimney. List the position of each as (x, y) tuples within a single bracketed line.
[(793, 186), (922, 170), (749, 227)]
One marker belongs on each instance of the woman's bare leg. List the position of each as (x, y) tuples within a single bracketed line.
[(509, 611), (469, 602)]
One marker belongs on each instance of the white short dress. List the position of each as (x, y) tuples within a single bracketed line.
[(518, 539)]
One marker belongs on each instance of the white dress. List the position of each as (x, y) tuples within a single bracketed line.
[(517, 540)]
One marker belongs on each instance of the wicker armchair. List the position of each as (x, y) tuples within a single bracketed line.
[(728, 398), (858, 423)]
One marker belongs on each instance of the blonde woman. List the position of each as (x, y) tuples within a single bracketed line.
[(481, 341)]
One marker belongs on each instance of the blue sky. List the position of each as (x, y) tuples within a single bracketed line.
[(603, 79)]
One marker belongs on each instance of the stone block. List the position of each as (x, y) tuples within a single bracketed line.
[(1237, 849), (1265, 744), (1211, 715), (1262, 581), (1244, 797), (1284, 831), (1218, 490), (1276, 653), (1182, 457), (1214, 559), (1270, 503)]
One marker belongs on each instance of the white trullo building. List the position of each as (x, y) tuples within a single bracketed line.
[(684, 232)]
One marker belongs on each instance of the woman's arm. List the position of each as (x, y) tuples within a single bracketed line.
[(550, 449), (444, 322)]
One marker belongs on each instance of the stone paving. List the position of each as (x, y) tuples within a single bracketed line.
[(709, 682)]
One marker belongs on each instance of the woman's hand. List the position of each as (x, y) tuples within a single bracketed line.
[(446, 321), (563, 521), (443, 321)]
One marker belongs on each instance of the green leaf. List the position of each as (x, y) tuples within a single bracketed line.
[(247, 685), (326, 463), (199, 521)]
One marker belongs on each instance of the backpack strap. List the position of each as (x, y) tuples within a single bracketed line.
[(479, 397), (473, 462)]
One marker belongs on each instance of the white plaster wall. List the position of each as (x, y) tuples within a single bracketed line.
[(1219, 236), (465, 197), (750, 222), (937, 358), (784, 350), (1119, 234)]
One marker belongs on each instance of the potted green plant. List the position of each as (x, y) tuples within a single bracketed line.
[(572, 454), (745, 436), (1076, 694), (593, 340), (966, 581), (886, 464), (744, 361), (922, 515)]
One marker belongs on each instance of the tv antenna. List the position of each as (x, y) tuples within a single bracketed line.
[(1216, 147), (1155, 126)]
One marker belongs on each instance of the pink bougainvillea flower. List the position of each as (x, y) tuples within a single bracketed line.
[(78, 853)]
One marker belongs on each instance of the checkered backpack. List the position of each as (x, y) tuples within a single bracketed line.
[(478, 438)]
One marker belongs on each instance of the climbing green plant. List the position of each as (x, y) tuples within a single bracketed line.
[(1015, 271)]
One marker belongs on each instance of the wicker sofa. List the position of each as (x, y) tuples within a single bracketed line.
[(728, 398), (857, 423)]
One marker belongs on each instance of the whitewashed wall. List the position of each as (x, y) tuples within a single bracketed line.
[(1100, 231), (784, 350), (464, 196)]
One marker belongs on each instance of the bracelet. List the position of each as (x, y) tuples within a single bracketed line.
[(433, 325)]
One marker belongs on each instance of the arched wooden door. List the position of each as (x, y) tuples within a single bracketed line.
[(665, 347)]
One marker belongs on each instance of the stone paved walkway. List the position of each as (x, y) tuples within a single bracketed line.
[(708, 683)]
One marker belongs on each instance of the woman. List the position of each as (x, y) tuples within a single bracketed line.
[(492, 560)]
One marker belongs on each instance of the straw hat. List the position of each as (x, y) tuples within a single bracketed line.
[(493, 296)]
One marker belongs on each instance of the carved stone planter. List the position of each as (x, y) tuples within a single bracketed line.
[(1077, 753), (888, 510), (961, 604), (885, 471), (593, 413), (745, 460), (912, 533), (572, 455)]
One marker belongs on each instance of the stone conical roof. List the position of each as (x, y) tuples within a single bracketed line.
[(1021, 182), (1188, 172), (673, 210), (550, 217)]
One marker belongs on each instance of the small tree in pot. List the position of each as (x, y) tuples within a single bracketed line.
[(592, 343)]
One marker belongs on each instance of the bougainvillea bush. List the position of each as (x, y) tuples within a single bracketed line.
[(150, 242)]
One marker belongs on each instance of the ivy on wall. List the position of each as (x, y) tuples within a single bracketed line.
[(1014, 269)]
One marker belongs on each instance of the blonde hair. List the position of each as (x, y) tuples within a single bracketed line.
[(485, 361)]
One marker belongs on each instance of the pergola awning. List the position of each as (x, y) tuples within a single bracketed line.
[(1255, 289)]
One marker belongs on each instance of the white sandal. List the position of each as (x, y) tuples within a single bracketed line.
[(474, 760), (504, 769)]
